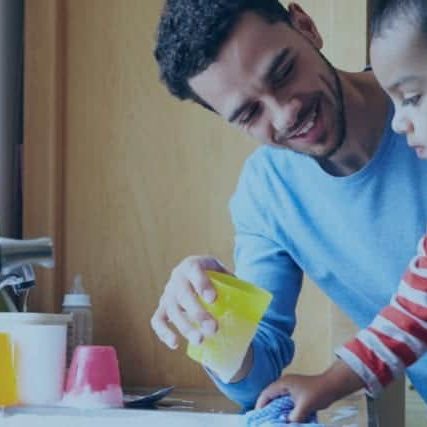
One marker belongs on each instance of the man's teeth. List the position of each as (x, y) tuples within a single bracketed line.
[(308, 125)]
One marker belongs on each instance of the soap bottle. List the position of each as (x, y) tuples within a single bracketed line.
[(80, 330)]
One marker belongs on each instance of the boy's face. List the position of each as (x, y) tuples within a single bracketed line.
[(270, 81), (399, 60)]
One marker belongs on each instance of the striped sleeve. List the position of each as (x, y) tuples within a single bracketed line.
[(397, 337)]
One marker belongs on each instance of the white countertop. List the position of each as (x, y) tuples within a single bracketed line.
[(123, 418), (57, 417), (186, 409)]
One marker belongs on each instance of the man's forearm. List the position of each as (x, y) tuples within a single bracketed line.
[(245, 368)]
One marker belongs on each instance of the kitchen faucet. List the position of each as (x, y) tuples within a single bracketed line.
[(17, 258)]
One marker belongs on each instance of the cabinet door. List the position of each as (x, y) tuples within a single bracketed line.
[(129, 181)]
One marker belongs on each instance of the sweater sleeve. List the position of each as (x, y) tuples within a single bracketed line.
[(397, 337), (273, 349), (261, 259)]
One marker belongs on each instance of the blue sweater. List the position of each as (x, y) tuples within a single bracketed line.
[(353, 236)]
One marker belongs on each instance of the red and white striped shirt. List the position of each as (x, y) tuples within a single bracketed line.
[(397, 337)]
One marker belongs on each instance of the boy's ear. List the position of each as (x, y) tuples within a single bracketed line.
[(303, 23)]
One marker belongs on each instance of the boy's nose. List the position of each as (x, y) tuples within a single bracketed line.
[(402, 124)]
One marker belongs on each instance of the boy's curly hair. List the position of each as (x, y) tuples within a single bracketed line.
[(385, 12), (191, 33)]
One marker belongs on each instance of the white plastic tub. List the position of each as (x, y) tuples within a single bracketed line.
[(39, 346)]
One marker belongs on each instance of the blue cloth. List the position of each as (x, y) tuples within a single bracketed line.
[(353, 236), (276, 413)]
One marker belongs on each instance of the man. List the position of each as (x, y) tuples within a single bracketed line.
[(329, 193)]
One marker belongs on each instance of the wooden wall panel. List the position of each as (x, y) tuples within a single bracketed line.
[(136, 180), (153, 177), (43, 155)]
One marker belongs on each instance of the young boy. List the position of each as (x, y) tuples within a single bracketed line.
[(397, 337)]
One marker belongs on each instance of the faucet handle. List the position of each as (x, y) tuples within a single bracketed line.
[(14, 253)]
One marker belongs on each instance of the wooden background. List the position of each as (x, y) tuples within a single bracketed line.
[(128, 181)]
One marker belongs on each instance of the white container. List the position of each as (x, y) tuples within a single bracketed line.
[(39, 346), (77, 303)]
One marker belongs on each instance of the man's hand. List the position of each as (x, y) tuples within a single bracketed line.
[(180, 306), (313, 392)]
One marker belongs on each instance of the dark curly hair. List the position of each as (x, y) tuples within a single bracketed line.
[(191, 33), (384, 13)]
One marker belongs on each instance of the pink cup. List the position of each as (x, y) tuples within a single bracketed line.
[(93, 380)]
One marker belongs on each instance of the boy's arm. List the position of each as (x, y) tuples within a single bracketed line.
[(397, 336), (394, 340)]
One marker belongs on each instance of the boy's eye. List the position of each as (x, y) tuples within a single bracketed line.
[(413, 100)]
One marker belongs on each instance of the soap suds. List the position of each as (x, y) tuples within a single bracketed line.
[(112, 397), (344, 413)]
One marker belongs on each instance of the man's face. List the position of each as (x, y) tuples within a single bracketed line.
[(272, 82), (399, 60)]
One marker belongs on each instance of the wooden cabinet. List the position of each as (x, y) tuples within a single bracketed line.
[(128, 181)]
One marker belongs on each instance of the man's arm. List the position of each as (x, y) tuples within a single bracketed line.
[(261, 261), (246, 367), (262, 257)]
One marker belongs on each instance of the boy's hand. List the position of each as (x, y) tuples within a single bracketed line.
[(313, 392)]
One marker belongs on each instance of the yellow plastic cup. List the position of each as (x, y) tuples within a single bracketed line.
[(238, 309), (8, 388)]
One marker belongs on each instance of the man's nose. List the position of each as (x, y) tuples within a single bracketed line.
[(401, 123), (284, 115)]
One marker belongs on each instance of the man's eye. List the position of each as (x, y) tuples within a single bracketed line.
[(250, 114), (413, 100), (282, 74)]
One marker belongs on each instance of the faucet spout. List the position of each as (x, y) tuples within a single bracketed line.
[(17, 258), (19, 279)]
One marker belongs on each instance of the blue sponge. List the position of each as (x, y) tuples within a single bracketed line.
[(276, 414)]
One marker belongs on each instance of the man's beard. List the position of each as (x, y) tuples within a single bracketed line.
[(340, 121)]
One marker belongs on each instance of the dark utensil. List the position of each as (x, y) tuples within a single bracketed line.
[(146, 401)]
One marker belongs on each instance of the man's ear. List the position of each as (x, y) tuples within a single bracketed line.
[(303, 23)]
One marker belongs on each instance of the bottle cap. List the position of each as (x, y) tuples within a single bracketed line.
[(77, 295), (73, 300)]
